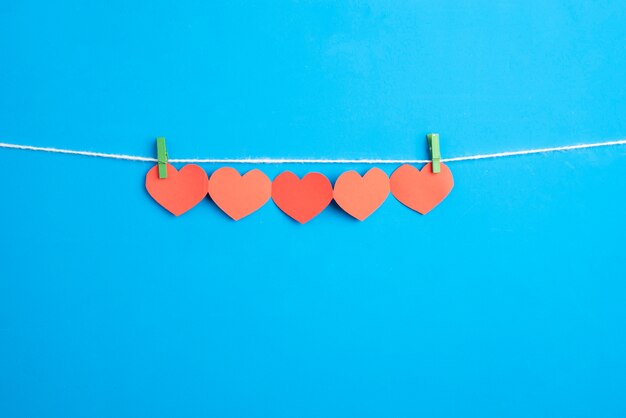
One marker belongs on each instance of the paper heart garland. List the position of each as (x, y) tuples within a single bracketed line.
[(361, 196), (181, 190), (421, 190), (239, 195), (302, 199)]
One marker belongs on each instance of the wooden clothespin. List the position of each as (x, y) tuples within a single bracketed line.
[(162, 157), (435, 152)]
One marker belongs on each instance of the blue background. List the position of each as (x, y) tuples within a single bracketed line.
[(508, 300)]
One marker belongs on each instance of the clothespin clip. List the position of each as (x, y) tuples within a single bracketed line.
[(162, 157), (435, 152)]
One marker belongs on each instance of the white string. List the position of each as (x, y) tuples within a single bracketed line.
[(313, 160)]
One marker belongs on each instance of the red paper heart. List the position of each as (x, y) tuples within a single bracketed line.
[(361, 196), (421, 190), (239, 195), (181, 190), (302, 199)]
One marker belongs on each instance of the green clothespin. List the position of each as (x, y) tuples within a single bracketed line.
[(162, 157), (435, 152)]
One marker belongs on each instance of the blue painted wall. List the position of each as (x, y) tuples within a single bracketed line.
[(505, 301)]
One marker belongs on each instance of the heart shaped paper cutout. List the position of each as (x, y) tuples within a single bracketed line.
[(302, 199), (181, 190), (361, 196), (421, 190), (238, 196)]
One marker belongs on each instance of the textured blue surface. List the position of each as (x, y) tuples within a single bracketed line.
[(508, 300)]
